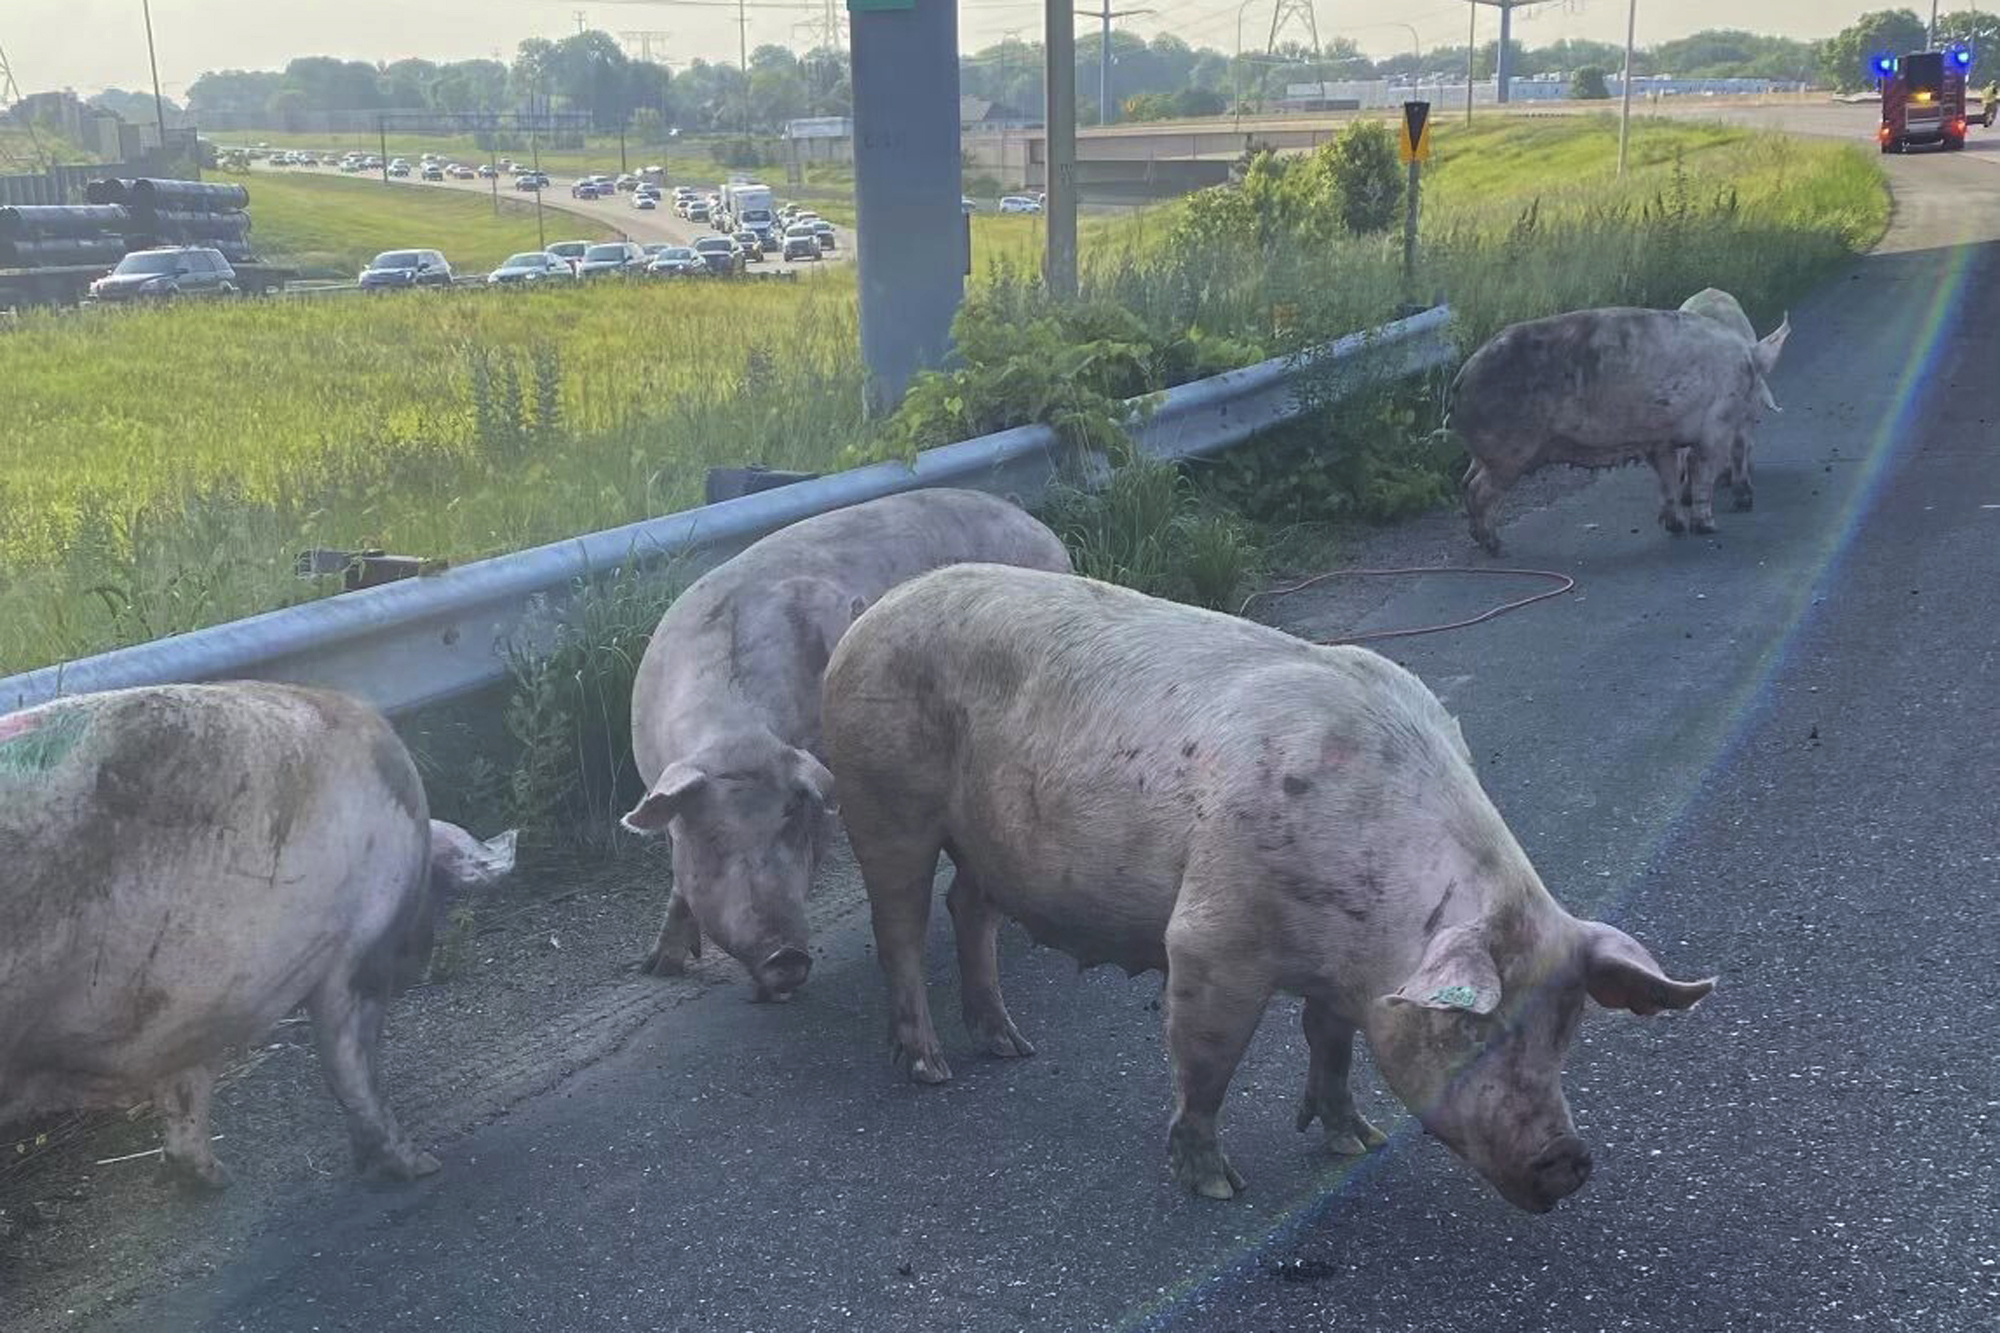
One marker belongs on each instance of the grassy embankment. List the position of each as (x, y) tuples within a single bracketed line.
[(159, 469), (329, 226)]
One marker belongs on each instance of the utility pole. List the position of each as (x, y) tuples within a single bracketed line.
[(1625, 117), (160, 103), (1107, 14), (1930, 39), (743, 62), (1059, 52), (1471, 55), (581, 19)]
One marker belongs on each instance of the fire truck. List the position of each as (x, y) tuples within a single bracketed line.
[(1923, 99)]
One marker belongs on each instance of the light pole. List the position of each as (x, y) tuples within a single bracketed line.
[(159, 103), (1625, 116), (1236, 70), (1471, 54)]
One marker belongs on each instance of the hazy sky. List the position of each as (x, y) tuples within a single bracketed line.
[(88, 44)]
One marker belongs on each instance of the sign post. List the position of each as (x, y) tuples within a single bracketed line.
[(1415, 149)]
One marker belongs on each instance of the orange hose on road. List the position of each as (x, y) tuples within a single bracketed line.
[(1563, 581)]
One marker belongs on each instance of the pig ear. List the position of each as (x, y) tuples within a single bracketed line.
[(669, 795), (810, 776), (1620, 974), (1457, 972), (1768, 350)]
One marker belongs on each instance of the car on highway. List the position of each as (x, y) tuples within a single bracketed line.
[(531, 180), (570, 252), (611, 259), (720, 255), (459, 172), (697, 211), (166, 273), (399, 168), (653, 249), (305, 159), (966, 204), (823, 233), (1020, 203), (676, 261), (433, 172), (530, 267), (751, 246), (801, 242), (584, 189), (487, 171), (405, 268), (627, 181), (644, 202)]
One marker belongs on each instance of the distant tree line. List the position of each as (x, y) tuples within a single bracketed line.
[(1159, 78)]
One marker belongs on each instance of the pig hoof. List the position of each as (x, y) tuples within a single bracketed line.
[(1000, 1038), (209, 1177), (1201, 1167), (403, 1164), (930, 1069), (664, 962), (1672, 523), (1704, 526), (1347, 1133)]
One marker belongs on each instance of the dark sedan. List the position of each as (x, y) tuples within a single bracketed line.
[(159, 275), (612, 257), (406, 268), (721, 256)]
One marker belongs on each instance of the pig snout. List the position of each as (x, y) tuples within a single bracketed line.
[(1553, 1174), (783, 972)]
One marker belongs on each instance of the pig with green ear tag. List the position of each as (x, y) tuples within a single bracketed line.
[(725, 713), (1147, 784)]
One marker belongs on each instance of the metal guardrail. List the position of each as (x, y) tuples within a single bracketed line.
[(423, 640)]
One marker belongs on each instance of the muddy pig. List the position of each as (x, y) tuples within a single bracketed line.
[(182, 866), (725, 713), (1718, 305), (1599, 388), (1143, 783)]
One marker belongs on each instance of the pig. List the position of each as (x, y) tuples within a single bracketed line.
[(1723, 308), (725, 713), (183, 865), (1147, 784), (1598, 388)]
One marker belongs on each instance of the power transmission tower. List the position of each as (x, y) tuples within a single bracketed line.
[(1105, 15), (1284, 15), (645, 39), (11, 95)]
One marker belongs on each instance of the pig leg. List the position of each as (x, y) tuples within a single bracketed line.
[(1738, 475), (1701, 478), (1483, 490), (976, 927), (1328, 1098), (898, 868), (184, 1101), (1667, 467), (1213, 1007), (678, 941), (347, 1029)]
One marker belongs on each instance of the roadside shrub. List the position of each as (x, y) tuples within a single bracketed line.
[(1148, 529), (1588, 85), (1368, 177)]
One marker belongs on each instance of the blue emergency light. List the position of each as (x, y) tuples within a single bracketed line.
[(1963, 56), (1885, 66)]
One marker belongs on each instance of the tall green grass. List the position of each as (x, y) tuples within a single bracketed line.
[(160, 468)]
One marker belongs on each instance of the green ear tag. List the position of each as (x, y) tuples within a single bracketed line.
[(1458, 997), (33, 743)]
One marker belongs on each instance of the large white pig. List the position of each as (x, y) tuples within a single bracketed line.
[(1715, 304), (1147, 784), (725, 712), (1600, 388), (182, 866)]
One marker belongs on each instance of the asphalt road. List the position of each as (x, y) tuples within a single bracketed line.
[(1769, 754)]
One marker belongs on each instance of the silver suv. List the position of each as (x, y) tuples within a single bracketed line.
[(158, 275)]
